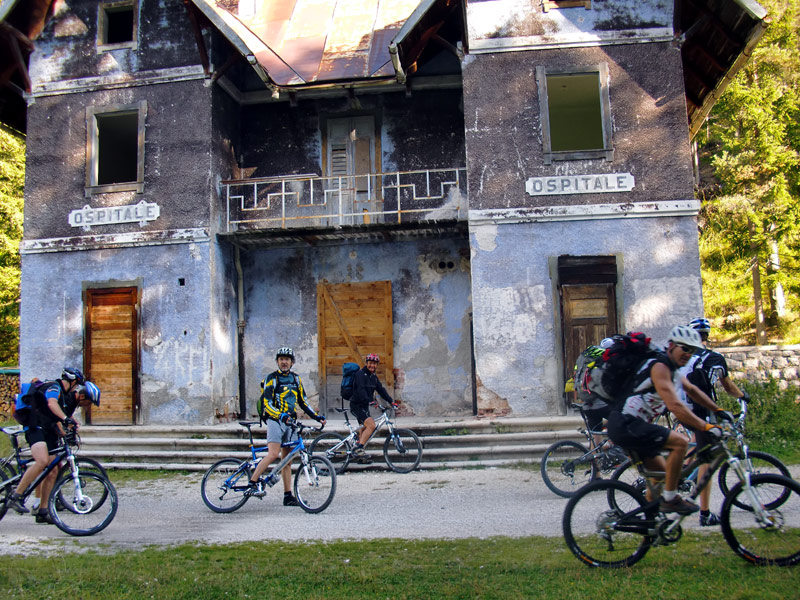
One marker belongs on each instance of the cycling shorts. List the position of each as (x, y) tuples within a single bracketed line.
[(278, 433), (360, 412), (37, 434), (595, 416), (632, 433)]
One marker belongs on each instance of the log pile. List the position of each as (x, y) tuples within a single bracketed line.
[(9, 387)]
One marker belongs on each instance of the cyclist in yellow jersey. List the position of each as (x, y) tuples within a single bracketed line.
[(281, 392)]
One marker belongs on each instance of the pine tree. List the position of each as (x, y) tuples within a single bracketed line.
[(12, 178)]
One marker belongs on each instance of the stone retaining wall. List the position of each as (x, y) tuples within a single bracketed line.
[(759, 363)]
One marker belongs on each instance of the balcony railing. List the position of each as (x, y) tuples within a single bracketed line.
[(309, 200)]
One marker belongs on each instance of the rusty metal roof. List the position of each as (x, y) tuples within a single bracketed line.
[(300, 42)]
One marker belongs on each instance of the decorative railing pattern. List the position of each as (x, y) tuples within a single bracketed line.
[(310, 200)]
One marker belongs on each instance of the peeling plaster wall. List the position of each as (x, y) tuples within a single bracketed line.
[(431, 315), (67, 48), (648, 110), (178, 335), (515, 306)]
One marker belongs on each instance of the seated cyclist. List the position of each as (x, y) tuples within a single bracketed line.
[(281, 392), (49, 418), (365, 384), (654, 392)]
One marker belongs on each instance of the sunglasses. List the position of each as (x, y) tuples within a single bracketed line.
[(688, 349)]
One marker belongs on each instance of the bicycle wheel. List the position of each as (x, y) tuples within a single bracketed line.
[(84, 465), (315, 484), (601, 536), (626, 473), (758, 463), (402, 450), (333, 447), (224, 484), (6, 472), (86, 514), (774, 542), (566, 467)]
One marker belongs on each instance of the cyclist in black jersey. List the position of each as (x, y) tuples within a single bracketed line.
[(654, 392), (704, 369), (365, 384)]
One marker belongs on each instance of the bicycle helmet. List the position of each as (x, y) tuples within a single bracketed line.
[(373, 357), (681, 334), (72, 374), (700, 324), (285, 351), (92, 392)]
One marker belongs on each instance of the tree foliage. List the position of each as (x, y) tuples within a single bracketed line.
[(751, 208), (12, 179)]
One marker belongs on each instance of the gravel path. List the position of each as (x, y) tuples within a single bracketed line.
[(453, 503)]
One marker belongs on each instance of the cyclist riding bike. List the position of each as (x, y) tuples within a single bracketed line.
[(365, 384), (703, 370), (52, 412), (654, 392), (281, 392)]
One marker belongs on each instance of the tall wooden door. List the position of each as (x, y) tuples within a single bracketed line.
[(353, 320), (351, 155), (111, 355), (587, 286)]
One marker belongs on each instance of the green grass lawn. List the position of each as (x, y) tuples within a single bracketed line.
[(699, 566)]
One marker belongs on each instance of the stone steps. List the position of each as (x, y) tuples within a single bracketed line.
[(446, 444)]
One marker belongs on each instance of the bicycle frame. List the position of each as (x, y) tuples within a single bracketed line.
[(654, 480)]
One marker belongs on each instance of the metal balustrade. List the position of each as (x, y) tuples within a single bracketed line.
[(312, 201)]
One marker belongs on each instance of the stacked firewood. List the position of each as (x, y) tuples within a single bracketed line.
[(9, 387)]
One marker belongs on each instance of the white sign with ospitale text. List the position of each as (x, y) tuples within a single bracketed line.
[(90, 217), (579, 184)]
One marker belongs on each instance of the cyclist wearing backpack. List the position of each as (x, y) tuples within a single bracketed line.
[(654, 392), (365, 384), (53, 406), (703, 370), (281, 392)]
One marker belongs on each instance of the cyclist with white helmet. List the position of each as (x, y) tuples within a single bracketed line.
[(704, 369), (365, 384), (281, 392), (654, 392), (52, 412)]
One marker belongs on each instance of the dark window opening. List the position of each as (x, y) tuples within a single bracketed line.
[(117, 147), (575, 111), (119, 25)]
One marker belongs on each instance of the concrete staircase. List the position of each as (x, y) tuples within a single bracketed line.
[(456, 442)]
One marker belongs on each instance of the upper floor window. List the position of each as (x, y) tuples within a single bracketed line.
[(115, 148), (117, 25), (550, 4), (575, 113)]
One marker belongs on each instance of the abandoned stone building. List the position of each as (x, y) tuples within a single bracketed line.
[(475, 190)]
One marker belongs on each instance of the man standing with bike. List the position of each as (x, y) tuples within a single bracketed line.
[(281, 392), (703, 370), (655, 391), (365, 384), (53, 407)]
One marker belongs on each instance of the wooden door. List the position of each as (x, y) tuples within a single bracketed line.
[(353, 320), (111, 354), (589, 315), (351, 154)]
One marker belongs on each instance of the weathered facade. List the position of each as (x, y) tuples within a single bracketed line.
[(475, 190)]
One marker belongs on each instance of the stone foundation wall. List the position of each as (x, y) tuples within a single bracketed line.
[(759, 363)]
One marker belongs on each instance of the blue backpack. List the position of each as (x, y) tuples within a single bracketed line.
[(349, 371), (29, 399)]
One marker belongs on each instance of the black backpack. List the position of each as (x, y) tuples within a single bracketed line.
[(614, 372), (30, 400), (349, 371)]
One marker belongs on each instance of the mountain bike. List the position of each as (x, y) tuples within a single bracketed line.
[(82, 502), (224, 487), (20, 458), (402, 449), (612, 524), (754, 462), (567, 465)]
